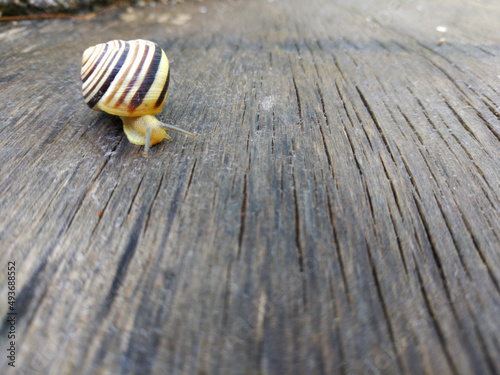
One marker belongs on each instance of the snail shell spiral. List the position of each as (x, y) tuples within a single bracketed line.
[(125, 78)]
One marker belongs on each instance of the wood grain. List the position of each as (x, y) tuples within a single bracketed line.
[(337, 214)]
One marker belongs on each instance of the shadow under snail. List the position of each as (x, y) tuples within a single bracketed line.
[(130, 80)]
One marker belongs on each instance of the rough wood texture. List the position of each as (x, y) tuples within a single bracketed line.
[(338, 213)]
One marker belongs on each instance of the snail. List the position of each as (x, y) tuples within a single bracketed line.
[(129, 79)]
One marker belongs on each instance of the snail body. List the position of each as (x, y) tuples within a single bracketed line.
[(129, 79)]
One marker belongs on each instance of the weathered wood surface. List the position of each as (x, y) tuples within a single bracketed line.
[(338, 213)]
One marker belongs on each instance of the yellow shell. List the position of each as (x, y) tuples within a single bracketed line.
[(125, 78)]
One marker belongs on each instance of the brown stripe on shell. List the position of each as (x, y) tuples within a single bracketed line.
[(149, 78), (116, 68), (94, 54), (96, 64), (124, 75), (103, 72), (163, 91), (130, 85), (86, 56)]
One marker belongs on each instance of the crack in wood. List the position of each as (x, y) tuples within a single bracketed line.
[(435, 322), (135, 195), (300, 252), (383, 304), (191, 174), (242, 216), (376, 122), (153, 200)]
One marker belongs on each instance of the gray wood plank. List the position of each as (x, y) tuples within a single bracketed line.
[(338, 212)]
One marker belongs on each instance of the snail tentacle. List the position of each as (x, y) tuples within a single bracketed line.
[(178, 130), (147, 144)]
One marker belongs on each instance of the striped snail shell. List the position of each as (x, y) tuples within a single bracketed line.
[(130, 80)]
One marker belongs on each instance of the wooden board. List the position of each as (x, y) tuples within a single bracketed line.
[(337, 214)]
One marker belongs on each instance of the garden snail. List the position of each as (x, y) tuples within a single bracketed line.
[(130, 80)]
